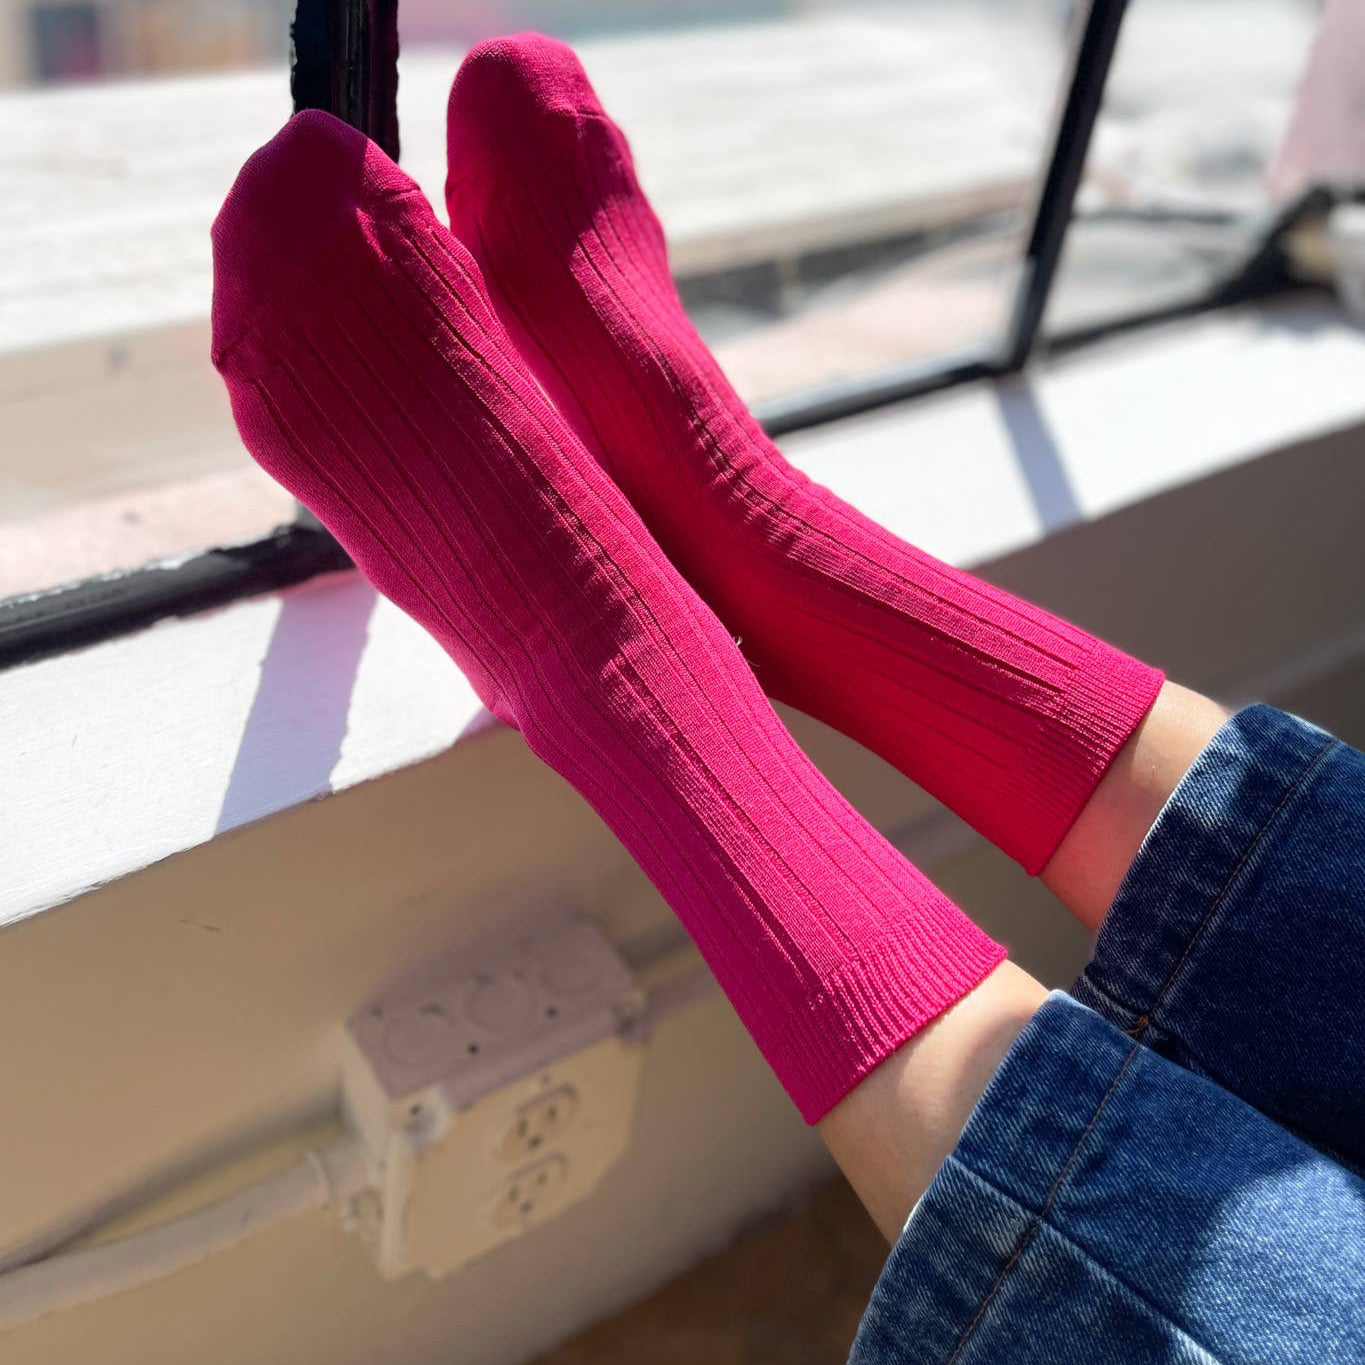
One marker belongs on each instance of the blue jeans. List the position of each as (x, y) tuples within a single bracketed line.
[(1167, 1165)]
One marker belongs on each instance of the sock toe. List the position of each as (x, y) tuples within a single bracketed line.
[(526, 71), (312, 179), (504, 87)]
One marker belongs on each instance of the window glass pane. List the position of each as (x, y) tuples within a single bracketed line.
[(843, 184), (847, 195), (124, 122), (1181, 182)]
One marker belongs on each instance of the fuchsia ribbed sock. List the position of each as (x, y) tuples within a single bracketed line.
[(369, 374), (1007, 714)]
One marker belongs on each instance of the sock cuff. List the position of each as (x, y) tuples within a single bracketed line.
[(822, 1046), (1106, 698)]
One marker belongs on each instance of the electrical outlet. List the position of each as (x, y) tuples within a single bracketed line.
[(492, 1088), (533, 1193), (539, 1125)]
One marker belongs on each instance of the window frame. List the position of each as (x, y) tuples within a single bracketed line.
[(345, 60)]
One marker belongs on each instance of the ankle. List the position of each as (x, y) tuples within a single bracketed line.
[(892, 1133), (1085, 871)]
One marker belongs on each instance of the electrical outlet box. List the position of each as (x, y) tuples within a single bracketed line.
[(491, 1088)]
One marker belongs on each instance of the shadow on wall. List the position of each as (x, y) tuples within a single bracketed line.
[(1039, 460), (293, 734)]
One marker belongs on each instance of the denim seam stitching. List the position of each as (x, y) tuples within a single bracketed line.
[(1086, 985), (1027, 1235), (1041, 1220), (1146, 1018)]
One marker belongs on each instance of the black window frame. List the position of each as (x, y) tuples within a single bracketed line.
[(345, 61)]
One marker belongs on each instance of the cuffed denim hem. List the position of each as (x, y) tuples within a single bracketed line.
[(1236, 943), (1161, 1169), (1105, 1205)]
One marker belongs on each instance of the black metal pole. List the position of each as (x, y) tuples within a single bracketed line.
[(1057, 194), (345, 61)]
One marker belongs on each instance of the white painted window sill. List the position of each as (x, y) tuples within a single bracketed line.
[(130, 751)]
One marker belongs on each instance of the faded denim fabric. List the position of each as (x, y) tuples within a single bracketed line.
[(1129, 1189), (1106, 1205), (1236, 944)]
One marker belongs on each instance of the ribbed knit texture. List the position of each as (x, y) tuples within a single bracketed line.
[(369, 374), (1004, 712)]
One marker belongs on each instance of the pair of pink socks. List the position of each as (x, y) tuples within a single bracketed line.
[(517, 435)]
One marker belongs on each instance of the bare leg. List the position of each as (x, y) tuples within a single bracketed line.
[(894, 1130), (1091, 861)]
